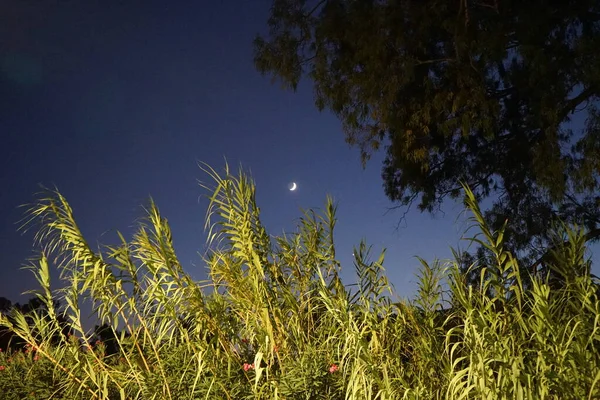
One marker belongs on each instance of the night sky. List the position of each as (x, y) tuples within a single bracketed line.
[(114, 102)]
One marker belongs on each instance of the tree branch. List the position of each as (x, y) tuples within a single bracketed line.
[(434, 61), (575, 101), (315, 8)]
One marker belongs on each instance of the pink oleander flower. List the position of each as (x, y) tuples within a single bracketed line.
[(35, 358), (333, 368), (247, 367), (2, 367)]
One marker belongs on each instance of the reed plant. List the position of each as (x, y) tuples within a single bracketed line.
[(274, 320)]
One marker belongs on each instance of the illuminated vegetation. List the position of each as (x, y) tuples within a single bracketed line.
[(274, 321)]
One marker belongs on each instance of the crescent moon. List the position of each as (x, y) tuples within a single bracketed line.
[(293, 187)]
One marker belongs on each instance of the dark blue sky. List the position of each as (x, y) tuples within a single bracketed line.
[(115, 101)]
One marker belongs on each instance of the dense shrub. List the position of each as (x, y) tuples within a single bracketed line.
[(274, 320)]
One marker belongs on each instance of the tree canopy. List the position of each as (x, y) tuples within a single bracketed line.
[(473, 91)]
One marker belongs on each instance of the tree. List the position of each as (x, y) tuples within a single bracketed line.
[(8, 340), (471, 91), (5, 305)]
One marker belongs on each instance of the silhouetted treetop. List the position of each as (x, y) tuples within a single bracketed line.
[(463, 90)]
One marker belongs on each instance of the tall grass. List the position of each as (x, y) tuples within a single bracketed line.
[(274, 320)]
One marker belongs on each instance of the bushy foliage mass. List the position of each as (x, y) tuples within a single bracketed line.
[(275, 321)]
